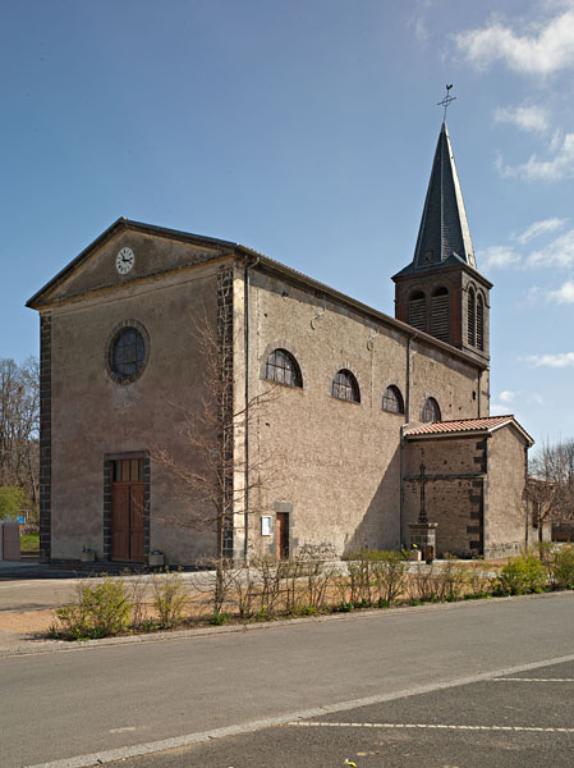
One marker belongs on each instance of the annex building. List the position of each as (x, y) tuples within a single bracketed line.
[(334, 422)]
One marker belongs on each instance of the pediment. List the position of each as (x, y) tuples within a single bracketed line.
[(155, 250)]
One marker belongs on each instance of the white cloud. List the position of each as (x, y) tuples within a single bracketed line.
[(542, 227), (564, 294), (498, 256), (498, 409), (534, 119), (559, 360), (507, 396), (559, 252), (548, 48), (559, 166)]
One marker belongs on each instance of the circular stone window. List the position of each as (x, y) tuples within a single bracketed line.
[(127, 354)]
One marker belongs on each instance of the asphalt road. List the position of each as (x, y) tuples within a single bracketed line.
[(119, 700), (525, 721)]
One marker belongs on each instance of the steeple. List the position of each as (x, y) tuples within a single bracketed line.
[(441, 291), (444, 234)]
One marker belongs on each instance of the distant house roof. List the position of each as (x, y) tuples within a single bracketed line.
[(487, 424)]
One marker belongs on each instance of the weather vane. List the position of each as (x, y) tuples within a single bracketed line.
[(448, 99)]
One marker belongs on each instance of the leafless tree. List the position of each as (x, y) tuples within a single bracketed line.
[(551, 485), (19, 424), (216, 477)]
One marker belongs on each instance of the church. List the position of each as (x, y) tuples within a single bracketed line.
[(337, 425)]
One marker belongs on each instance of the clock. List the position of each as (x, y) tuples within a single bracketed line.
[(125, 260)]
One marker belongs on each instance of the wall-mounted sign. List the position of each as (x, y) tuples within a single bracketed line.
[(266, 527)]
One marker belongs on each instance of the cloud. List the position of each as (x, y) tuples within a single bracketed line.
[(498, 409), (564, 294), (507, 396), (559, 252), (559, 360), (557, 167), (548, 49), (538, 228), (498, 256), (533, 119)]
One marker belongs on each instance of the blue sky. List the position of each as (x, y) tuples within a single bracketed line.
[(305, 129)]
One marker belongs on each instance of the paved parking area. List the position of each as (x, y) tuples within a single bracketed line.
[(521, 721)]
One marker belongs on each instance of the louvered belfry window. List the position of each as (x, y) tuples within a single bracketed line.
[(480, 323), (471, 317), (440, 314), (417, 310)]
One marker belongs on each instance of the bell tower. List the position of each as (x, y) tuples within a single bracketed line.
[(441, 291)]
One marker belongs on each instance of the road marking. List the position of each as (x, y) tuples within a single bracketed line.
[(533, 680), (433, 726), (189, 739), (125, 729)]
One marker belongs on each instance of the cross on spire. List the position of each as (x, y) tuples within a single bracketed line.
[(446, 101)]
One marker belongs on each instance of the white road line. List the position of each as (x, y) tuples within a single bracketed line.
[(177, 742), (434, 726), (533, 680)]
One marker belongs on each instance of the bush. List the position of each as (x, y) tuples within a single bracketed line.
[(521, 576), (100, 611), (561, 567), (12, 500), (389, 569), (169, 599)]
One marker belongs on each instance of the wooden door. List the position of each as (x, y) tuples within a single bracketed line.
[(127, 510), (282, 535)]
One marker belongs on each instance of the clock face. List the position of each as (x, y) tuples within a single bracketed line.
[(125, 260)]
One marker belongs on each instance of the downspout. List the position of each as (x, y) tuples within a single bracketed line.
[(248, 266), (401, 445)]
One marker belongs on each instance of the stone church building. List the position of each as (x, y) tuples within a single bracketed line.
[(345, 421)]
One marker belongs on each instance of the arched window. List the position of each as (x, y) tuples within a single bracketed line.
[(440, 314), (282, 368), (480, 323), (471, 317), (393, 400), (417, 315), (431, 411), (346, 387)]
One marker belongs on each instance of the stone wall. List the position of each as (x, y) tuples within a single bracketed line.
[(505, 525), (337, 464), (93, 417), (454, 470)]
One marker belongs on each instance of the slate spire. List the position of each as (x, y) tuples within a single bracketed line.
[(444, 234)]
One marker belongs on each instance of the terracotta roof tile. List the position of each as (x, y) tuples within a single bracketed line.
[(459, 425)]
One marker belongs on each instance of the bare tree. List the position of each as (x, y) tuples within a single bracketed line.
[(19, 423), (551, 485), (217, 475)]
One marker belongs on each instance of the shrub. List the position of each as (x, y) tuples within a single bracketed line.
[(102, 610), (522, 575), (561, 567), (451, 580), (169, 599), (389, 569)]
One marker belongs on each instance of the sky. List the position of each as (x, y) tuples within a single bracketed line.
[(306, 130)]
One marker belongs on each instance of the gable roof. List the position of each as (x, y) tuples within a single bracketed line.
[(263, 262), (484, 425)]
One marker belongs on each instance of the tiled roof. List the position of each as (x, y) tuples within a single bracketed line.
[(486, 424)]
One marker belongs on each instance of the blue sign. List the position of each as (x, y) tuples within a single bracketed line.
[(21, 519)]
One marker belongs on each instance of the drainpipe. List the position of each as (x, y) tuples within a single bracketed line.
[(248, 266)]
